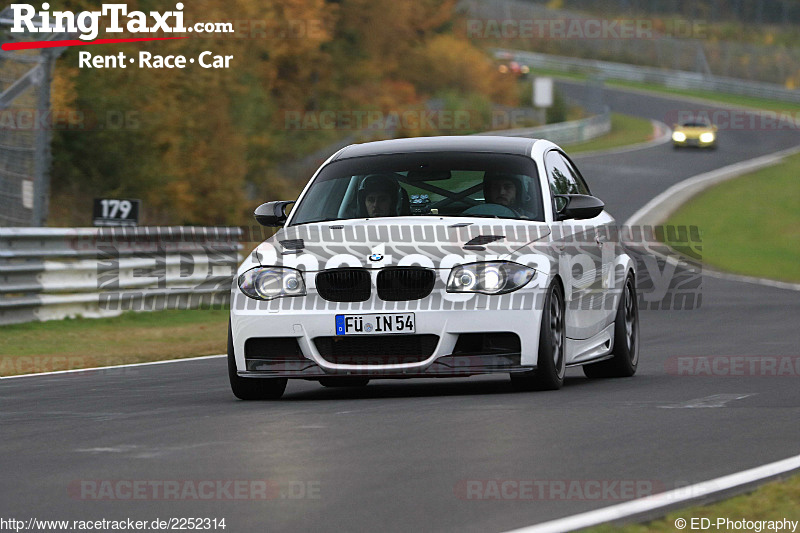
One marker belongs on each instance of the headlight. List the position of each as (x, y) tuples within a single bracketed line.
[(678, 136), (491, 277), (268, 283), (707, 137)]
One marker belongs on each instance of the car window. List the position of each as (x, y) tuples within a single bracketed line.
[(424, 184), (575, 174)]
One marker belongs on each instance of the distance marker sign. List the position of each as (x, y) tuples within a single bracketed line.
[(115, 212)]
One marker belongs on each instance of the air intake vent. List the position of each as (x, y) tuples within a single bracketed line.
[(272, 348), (376, 349), (482, 240)]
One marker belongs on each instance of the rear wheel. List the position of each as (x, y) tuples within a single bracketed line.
[(252, 388), (549, 374), (625, 358), (344, 381)]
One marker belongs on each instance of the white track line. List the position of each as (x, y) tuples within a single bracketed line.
[(683, 495), (94, 369), (663, 205), (658, 126), (659, 208)]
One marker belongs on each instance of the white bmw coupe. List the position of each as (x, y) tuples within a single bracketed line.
[(435, 257)]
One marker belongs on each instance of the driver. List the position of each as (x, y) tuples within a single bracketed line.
[(507, 190), (502, 191), (378, 196)]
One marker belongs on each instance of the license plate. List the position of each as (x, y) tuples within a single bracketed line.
[(375, 324)]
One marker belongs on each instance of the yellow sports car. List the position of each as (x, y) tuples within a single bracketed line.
[(696, 132)]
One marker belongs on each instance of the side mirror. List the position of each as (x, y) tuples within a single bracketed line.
[(272, 214), (579, 206)]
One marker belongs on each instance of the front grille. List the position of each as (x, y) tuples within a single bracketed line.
[(376, 349), (344, 285), (397, 284)]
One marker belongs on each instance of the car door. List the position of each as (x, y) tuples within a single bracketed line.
[(607, 238), (584, 267)]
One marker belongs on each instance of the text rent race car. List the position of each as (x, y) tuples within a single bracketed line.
[(435, 257)]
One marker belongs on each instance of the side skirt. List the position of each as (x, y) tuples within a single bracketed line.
[(591, 350)]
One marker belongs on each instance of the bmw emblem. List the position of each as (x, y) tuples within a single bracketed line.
[(375, 257)]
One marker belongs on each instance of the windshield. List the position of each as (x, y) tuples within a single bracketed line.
[(424, 184)]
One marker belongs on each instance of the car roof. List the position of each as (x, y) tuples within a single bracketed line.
[(699, 122), (464, 143)]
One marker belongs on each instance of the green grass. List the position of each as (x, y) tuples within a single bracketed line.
[(750, 225), (129, 338), (625, 130), (712, 97), (774, 501)]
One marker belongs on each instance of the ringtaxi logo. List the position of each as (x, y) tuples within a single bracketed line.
[(114, 19), (88, 22)]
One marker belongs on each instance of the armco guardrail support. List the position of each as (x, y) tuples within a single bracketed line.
[(571, 132), (51, 274)]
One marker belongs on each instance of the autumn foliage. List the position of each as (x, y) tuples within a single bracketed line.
[(204, 146)]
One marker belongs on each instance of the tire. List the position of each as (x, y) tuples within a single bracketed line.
[(344, 381), (549, 373), (252, 388), (625, 358)]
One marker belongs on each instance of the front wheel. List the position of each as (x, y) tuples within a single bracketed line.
[(625, 358), (252, 388), (551, 366)]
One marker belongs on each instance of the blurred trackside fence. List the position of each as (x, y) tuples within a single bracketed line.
[(570, 132), (25, 158), (54, 273), (676, 79), (50, 273)]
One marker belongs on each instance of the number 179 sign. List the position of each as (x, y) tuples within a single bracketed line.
[(115, 212)]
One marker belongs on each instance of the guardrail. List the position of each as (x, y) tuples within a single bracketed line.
[(53, 273), (570, 132), (677, 79)]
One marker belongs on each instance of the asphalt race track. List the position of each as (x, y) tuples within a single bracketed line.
[(403, 455)]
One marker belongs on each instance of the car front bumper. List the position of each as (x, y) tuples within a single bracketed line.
[(291, 319), (696, 142)]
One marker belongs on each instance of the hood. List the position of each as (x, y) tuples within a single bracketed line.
[(431, 241), (692, 132)]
